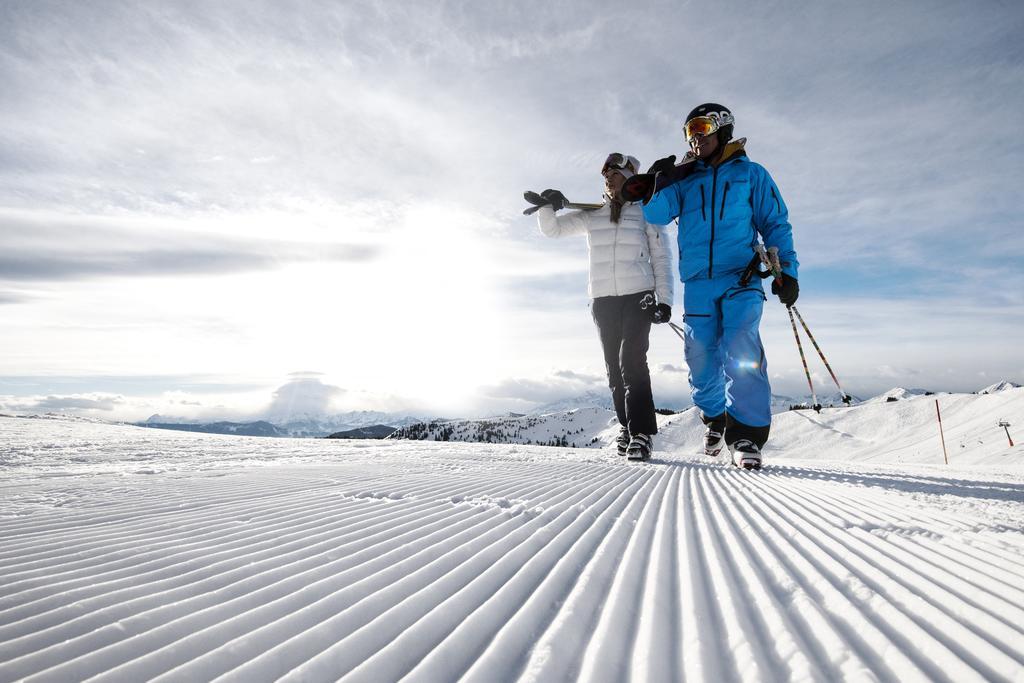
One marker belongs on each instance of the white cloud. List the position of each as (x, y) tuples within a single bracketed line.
[(304, 395), (170, 406), (74, 403), (559, 385), (50, 247)]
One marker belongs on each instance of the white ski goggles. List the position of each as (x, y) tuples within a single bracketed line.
[(621, 162)]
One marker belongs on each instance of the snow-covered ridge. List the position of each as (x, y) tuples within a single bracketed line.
[(898, 426), (899, 393), (323, 425), (577, 428), (589, 399), (999, 386)]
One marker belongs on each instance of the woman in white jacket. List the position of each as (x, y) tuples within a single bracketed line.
[(630, 287)]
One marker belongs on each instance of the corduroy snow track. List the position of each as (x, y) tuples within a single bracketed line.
[(181, 557)]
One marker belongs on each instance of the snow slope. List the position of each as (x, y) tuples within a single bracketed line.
[(901, 431), (904, 431), (131, 554)]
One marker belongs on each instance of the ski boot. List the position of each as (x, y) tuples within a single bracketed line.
[(622, 441), (714, 433), (714, 442), (640, 447), (745, 454)]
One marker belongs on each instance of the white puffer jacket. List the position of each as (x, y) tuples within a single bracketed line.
[(632, 256)]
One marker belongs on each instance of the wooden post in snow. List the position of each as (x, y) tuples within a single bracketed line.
[(945, 456)]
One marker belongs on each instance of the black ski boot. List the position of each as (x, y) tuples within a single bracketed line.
[(746, 454), (622, 441), (714, 442), (714, 434), (640, 447)]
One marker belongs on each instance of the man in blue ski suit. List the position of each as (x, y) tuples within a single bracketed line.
[(725, 204)]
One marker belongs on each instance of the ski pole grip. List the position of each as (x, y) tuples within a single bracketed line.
[(773, 262), (766, 259)]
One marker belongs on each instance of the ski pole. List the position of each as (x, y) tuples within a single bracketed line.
[(773, 254), (847, 399), (772, 260), (678, 330), (800, 347)]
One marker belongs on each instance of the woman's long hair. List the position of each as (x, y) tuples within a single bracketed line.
[(616, 209)]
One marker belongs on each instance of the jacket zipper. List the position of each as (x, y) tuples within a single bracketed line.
[(725, 193), (615, 256), (711, 244), (703, 214), (679, 237), (744, 289)]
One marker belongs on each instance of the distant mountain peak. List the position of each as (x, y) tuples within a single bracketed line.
[(1003, 385), (589, 399)]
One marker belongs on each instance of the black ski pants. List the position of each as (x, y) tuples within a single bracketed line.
[(625, 330)]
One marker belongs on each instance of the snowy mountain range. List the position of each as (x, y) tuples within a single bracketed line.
[(299, 426), (258, 428), (371, 432), (574, 422), (589, 399)]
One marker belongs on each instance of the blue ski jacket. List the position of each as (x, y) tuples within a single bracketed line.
[(721, 209)]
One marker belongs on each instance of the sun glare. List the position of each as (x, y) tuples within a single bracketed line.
[(441, 338)]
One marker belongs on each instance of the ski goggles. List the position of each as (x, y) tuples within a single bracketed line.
[(706, 125), (619, 162)]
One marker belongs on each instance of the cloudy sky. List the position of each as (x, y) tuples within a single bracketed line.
[(234, 209)]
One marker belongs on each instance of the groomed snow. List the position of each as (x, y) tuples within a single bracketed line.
[(130, 554)]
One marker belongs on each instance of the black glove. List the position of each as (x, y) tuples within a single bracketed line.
[(663, 165), (534, 198), (637, 188), (788, 292), (662, 314), (555, 198)]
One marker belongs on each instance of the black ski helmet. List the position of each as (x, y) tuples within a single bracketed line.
[(725, 132)]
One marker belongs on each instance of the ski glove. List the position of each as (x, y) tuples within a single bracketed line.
[(662, 314), (638, 187), (663, 165), (555, 198), (788, 291)]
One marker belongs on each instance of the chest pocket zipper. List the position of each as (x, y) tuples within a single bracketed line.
[(703, 202), (725, 193)]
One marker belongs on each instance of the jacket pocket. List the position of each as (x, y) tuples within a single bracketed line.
[(740, 290)]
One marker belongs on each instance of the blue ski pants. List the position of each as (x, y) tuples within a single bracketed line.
[(728, 371)]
